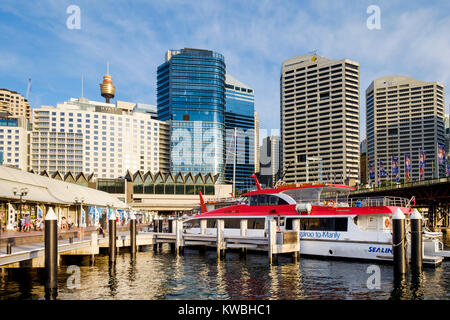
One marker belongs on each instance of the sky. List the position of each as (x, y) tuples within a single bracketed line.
[(254, 36)]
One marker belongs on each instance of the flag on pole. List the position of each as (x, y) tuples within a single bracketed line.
[(382, 171), (441, 153), (395, 168), (407, 167), (422, 161)]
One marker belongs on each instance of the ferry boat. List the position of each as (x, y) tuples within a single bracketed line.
[(331, 223)]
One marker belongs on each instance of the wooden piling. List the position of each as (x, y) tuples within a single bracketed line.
[(271, 232), (179, 236), (203, 225), (296, 227), (219, 239)]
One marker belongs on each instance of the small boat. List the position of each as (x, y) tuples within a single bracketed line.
[(332, 224)]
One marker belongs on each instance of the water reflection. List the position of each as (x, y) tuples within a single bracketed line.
[(164, 275), (112, 280)]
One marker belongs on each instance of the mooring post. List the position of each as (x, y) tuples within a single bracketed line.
[(271, 231), (179, 236), (133, 235), (94, 246), (51, 255), (296, 227), (8, 248), (219, 239), (416, 242), (160, 225), (399, 242), (155, 225), (243, 225), (112, 237)]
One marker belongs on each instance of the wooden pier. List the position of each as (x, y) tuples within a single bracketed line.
[(32, 255)]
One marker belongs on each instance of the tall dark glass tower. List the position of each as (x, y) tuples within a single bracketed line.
[(191, 95), (239, 115)]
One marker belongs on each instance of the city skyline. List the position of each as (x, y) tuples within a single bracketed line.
[(246, 34)]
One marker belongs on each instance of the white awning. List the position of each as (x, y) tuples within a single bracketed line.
[(46, 190)]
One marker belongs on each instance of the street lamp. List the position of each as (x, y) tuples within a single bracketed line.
[(79, 201), (20, 193)]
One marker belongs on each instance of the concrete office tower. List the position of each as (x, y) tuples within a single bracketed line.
[(87, 136), (239, 115), (404, 115), (14, 141), (363, 162), (14, 103), (270, 161), (191, 96), (320, 119)]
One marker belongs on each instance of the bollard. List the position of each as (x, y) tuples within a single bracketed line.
[(170, 225), (155, 225), (8, 248), (160, 225), (51, 255), (71, 240), (399, 242), (133, 235), (219, 239), (416, 242), (112, 237)]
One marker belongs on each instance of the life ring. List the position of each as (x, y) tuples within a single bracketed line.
[(386, 223), (278, 229), (330, 202)]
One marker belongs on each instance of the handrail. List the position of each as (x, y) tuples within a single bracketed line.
[(403, 185)]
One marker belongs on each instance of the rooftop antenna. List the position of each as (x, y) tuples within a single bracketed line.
[(314, 53), (28, 89)]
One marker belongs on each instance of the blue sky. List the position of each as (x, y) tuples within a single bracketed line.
[(254, 36)]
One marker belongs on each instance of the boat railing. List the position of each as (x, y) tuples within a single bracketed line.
[(359, 202)]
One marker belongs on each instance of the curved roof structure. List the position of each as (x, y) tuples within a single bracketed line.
[(51, 191)]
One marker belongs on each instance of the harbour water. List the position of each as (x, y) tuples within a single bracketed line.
[(163, 275)]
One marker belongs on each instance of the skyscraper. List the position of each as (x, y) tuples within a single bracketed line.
[(404, 115), (319, 119), (191, 96), (239, 114)]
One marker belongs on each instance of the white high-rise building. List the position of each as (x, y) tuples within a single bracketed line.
[(319, 119), (96, 137), (14, 141)]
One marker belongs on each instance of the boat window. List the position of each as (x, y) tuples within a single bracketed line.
[(323, 224), (232, 223), (211, 223), (256, 224), (266, 200), (288, 224)]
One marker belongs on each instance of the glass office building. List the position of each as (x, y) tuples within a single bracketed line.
[(239, 114), (191, 95)]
